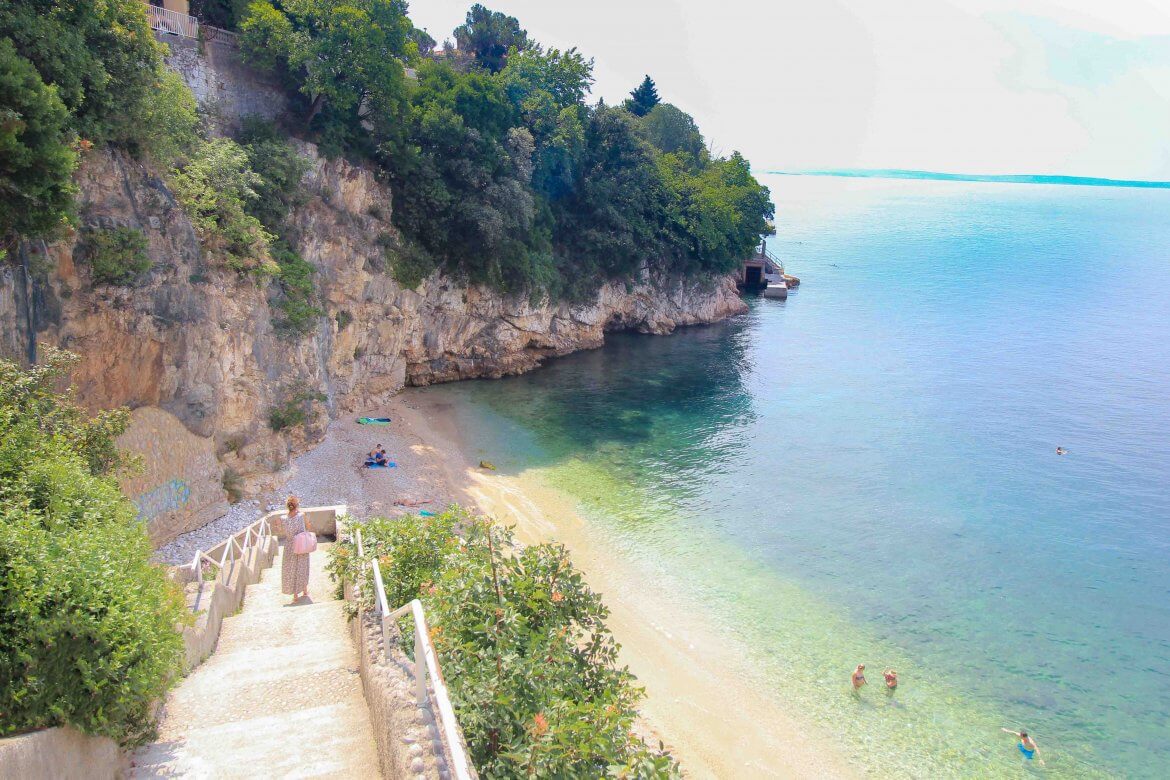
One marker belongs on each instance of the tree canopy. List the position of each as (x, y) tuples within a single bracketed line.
[(644, 98), (71, 75), (672, 131), (488, 36)]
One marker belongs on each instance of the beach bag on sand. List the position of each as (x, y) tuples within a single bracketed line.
[(304, 543)]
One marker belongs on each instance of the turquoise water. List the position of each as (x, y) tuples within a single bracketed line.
[(866, 472)]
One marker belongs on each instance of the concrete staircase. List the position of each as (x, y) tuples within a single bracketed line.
[(280, 697)]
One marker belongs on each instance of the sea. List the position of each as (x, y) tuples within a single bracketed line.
[(867, 472)]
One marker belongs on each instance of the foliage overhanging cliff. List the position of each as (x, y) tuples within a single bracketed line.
[(378, 230)]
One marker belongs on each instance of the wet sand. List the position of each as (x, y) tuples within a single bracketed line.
[(700, 702)]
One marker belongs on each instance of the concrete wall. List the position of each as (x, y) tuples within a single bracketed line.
[(213, 601), (180, 487), (61, 754)]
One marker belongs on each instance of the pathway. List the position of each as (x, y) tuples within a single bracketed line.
[(279, 697)]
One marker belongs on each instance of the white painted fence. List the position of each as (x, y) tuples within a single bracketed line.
[(172, 22), (426, 663)]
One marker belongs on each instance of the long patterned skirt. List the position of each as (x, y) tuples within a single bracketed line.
[(294, 571)]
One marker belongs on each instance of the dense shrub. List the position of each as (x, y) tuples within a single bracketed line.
[(216, 186), (87, 624), (531, 667), (294, 410), (279, 169), (170, 122), (115, 256), (296, 300)]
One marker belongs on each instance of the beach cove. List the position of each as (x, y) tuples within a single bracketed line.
[(846, 478)]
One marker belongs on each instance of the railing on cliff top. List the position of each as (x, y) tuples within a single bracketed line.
[(172, 22), (426, 663), (175, 23)]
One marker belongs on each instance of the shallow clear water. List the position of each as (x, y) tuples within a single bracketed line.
[(867, 472)]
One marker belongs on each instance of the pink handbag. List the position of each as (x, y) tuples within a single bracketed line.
[(304, 543)]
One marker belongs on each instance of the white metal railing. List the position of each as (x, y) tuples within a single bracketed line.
[(426, 663), (172, 22), (235, 549)]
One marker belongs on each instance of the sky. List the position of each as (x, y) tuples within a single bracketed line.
[(1076, 87)]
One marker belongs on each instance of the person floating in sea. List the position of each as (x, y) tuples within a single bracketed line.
[(858, 677), (1027, 745), (1061, 451), (891, 680)]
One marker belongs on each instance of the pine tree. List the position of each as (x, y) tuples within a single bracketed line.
[(644, 98)]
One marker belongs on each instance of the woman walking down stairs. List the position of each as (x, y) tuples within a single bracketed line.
[(279, 697)]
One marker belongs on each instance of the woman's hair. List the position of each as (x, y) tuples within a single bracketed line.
[(293, 503), (1023, 735)]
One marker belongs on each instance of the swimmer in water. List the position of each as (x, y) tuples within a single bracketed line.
[(858, 677), (1061, 451), (891, 680), (1027, 746)]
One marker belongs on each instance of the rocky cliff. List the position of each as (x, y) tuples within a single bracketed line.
[(199, 342)]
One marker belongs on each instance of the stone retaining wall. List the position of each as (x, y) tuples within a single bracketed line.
[(180, 486)]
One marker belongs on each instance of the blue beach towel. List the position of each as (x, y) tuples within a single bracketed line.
[(373, 420), (388, 465)]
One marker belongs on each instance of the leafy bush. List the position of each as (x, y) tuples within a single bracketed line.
[(280, 170), (298, 295), (116, 256), (531, 667), (216, 186), (89, 624), (170, 120), (294, 410)]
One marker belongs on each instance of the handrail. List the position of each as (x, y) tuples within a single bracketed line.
[(173, 22), (253, 534), (426, 662)]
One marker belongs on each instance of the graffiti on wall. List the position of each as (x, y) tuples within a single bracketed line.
[(168, 497)]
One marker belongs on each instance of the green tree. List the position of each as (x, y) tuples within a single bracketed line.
[(643, 99), (463, 191), (37, 154), (615, 217), (344, 59), (488, 36), (672, 130), (548, 89), (718, 212), (100, 55), (89, 624)]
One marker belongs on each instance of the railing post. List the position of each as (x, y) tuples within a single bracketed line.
[(420, 658)]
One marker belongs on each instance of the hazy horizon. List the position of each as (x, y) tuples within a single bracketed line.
[(993, 86)]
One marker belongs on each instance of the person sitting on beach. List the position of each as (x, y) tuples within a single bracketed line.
[(1027, 745), (891, 680), (858, 677), (377, 457)]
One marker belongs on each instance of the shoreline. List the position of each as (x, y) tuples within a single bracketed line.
[(700, 701)]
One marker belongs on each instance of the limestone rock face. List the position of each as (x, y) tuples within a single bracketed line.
[(180, 485), (198, 341)]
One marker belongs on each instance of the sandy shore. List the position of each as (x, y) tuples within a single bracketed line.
[(700, 702)]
